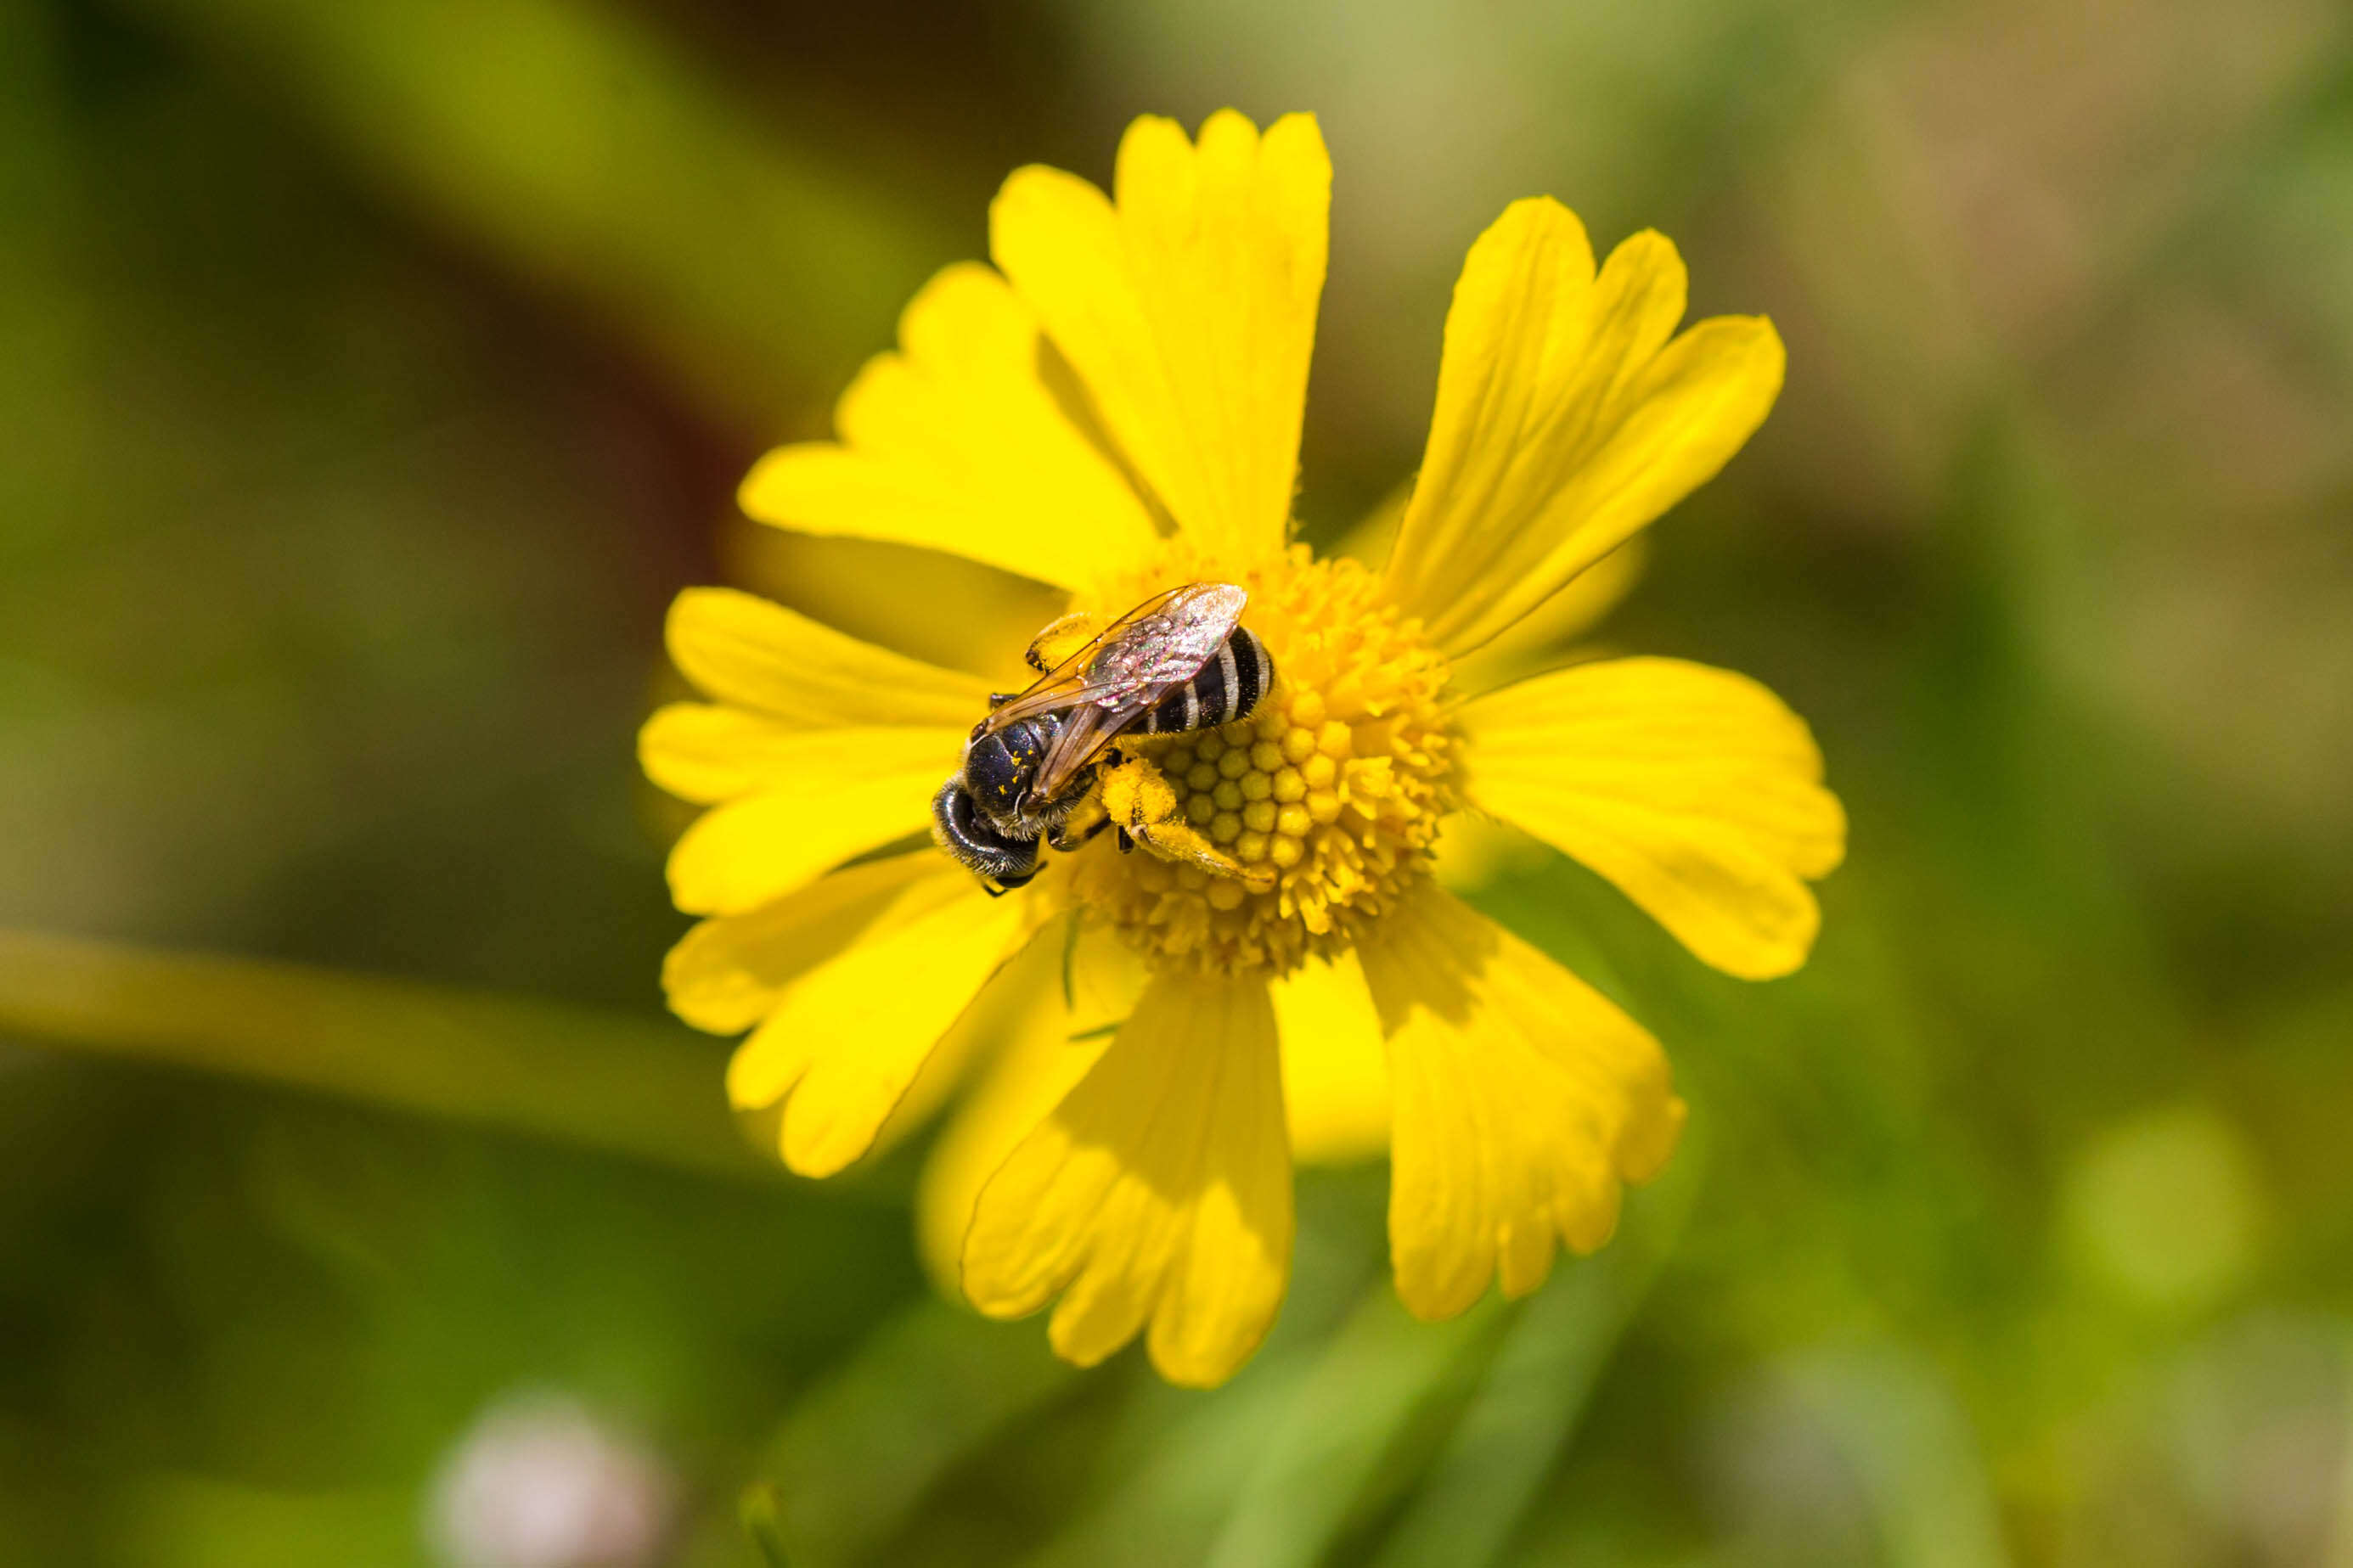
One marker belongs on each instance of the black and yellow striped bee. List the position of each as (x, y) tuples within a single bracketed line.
[(1181, 660)]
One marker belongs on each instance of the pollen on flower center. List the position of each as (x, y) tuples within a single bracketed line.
[(1337, 780)]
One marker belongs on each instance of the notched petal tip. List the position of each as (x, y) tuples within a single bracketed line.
[(1186, 307), (1154, 147), (1568, 417), (955, 442), (1229, 124), (1301, 132), (1047, 1017), (1651, 1142), (1155, 1198), (893, 959), (1523, 1102)]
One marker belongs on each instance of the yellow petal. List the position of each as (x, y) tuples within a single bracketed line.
[(960, 442), (1157, 1192), (746, 652), (1694, 790), (1566, 419), (1541, 640), (726, 974), (1336, 1083), (703, 752), (1535, 641), (859, 978), (1045, 1039), (822, 747), (1523, 1099), (1188, 309), (846, 792)]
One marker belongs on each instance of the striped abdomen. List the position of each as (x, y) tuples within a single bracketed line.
[(1228, 687)]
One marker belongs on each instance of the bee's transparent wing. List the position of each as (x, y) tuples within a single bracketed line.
[(1116, 678), (1155, 647)]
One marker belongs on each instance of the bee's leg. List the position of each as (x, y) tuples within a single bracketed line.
[(1181, 841), (1114, 760), (1084, 821), (999, 698), (1141, 801)]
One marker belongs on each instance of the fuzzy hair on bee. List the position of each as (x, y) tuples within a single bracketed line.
[(958, 828)]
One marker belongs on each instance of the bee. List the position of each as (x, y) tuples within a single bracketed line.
[(1180, 661)]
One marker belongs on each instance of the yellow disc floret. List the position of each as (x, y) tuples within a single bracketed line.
[(1325, 802)]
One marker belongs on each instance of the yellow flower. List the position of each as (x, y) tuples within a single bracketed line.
[(1112, 410)]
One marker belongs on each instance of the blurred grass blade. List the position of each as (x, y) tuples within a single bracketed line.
[(856, 1454), (2339, 1551), (1179, 1463), (1530, 1401), (1318, 1436), (608, 1081), (1377, 1378), (1537, 1387), (580, 149), (763, 1517), (1898, 1425)]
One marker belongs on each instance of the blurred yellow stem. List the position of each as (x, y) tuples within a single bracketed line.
[(608, 1081)]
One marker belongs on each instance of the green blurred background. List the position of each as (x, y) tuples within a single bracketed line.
[(372, 372)]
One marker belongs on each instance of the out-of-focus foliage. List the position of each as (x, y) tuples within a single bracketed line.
[(372, 376)]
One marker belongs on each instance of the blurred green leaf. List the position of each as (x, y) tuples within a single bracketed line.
[(572, 1073), (763, 1521), (585, 151), (1536, 1389), (1897, 1425), (1187, 1457), (1357, 1408), (930, 1387)]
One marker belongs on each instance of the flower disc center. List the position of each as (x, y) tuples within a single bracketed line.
[(1337, 780)]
